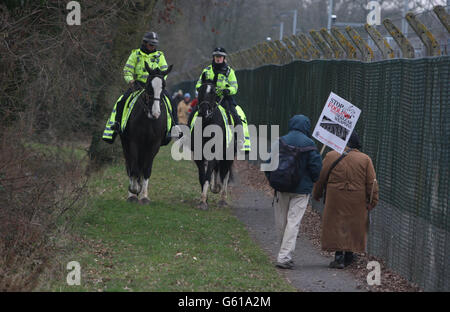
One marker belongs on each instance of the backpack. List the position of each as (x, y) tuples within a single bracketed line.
[(287, 176)]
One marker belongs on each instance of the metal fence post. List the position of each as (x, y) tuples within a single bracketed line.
[(424, 34), (326, 50), (404, 44), (349, 49), (315, 54), (381, 42), (443, 16), (337, 49), (363, 47)]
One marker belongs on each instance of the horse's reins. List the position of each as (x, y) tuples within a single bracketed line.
[(209, 114)]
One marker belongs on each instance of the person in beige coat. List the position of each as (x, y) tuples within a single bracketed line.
[(351, 192), (183, 109)]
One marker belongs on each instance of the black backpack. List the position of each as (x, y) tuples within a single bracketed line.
[(287, 176)]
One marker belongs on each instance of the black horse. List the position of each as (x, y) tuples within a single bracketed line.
[(214, 172), (145, 131)]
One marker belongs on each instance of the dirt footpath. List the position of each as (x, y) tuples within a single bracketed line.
[(311, 272), (252, 204)]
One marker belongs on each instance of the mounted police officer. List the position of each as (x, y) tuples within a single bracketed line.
[(136, 75), (227, 85)]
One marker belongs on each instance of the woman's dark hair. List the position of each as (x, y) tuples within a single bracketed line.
[(354, 142)]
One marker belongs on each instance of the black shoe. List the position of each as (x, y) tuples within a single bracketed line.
[(109, 141), (336, 265), (349, 257), (338, 262)]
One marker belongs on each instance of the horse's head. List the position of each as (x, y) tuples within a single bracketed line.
[(154, 87), (207, 97)]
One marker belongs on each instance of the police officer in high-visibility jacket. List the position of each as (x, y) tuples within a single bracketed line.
[(226, 87), (136, 75)]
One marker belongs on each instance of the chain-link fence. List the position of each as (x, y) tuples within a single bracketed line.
[(404, 129)]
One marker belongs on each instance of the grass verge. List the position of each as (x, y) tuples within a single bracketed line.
[(168, 245)]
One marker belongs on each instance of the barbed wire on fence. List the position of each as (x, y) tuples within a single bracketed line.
[(427, 35)]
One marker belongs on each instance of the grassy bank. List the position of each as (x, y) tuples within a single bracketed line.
[(168, 245)]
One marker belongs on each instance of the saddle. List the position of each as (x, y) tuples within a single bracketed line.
[(229, 134), (108, 133)]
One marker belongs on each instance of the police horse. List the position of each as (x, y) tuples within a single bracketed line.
[(214, 173), (145, 131)]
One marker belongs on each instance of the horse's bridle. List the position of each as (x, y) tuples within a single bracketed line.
[(208, 110), (150, 99), (211, 107)]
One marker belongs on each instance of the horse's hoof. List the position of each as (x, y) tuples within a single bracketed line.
[(223, 203), (203, 206), (215, 190), (144, 201), (132, 199)]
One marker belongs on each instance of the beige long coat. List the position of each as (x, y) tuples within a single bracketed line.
[(183, 112), (344, 221)]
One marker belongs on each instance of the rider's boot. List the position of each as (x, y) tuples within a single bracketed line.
[(116, 127)]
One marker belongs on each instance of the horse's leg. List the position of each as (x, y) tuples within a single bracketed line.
[(215, 181), (202, 166), (144, 193), (209, 167), (201, 172), (134, 188), (144, 200), (203, 183), (128, 161), (224, 176)]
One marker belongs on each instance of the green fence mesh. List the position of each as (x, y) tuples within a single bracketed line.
[(404, 128)]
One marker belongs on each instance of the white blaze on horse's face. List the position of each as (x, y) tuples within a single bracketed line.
[(157, 84), (208, 89)]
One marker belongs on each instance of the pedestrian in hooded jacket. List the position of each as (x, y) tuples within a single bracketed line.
[(290, 207), (352, 191)]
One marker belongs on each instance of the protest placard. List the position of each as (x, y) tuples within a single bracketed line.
[(336, 123)]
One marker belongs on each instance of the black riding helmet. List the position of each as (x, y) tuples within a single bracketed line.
[(219, 51), (151, 37)]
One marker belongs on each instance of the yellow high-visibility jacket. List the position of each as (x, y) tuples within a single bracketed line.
[(135, 66)]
